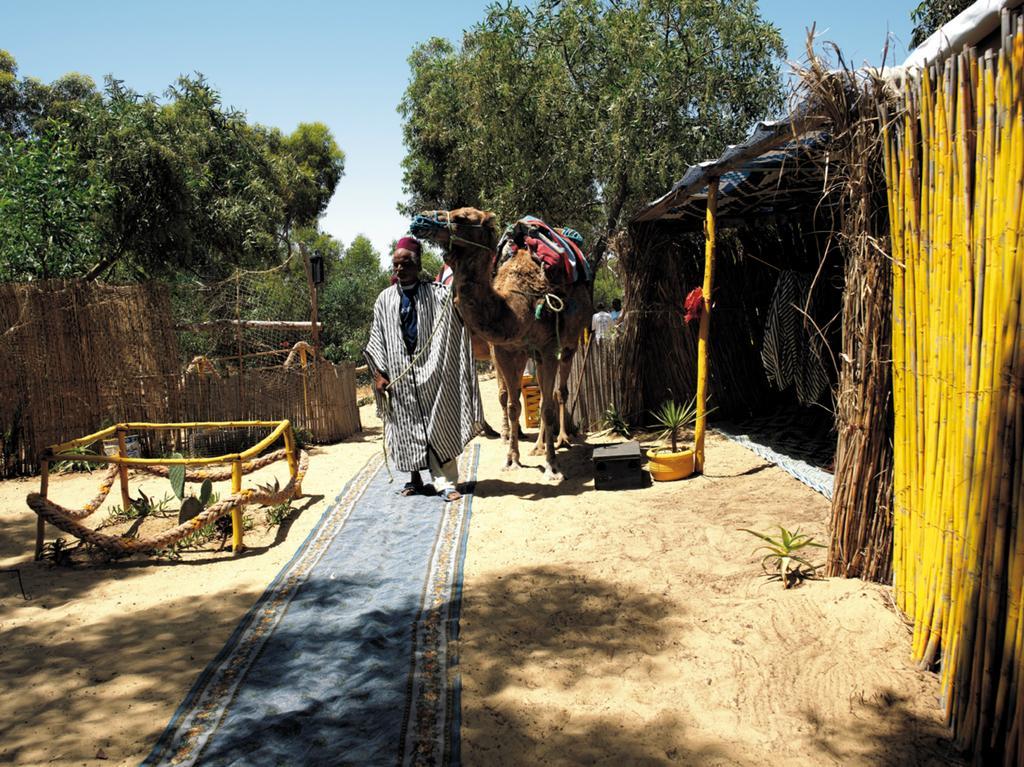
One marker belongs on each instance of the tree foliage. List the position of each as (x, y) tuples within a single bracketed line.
[(46, 209), (929, 15), (151, 187), (353, 281), (581, 111)]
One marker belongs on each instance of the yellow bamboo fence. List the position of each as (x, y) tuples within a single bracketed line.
[(955, 169), (239, 464)]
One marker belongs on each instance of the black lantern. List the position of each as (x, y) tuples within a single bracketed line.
[(316, 268)]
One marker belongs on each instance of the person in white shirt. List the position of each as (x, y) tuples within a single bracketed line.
[(601, 323)]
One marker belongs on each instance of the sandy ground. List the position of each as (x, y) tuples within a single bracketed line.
[(598, 627)]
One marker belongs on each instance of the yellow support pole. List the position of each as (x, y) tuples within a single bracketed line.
[(122, 470), (44, 487), (237, 546), (705, 323)]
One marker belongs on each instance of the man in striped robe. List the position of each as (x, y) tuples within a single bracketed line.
[(424, 375)]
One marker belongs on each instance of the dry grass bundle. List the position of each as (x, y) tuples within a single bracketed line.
[(861, 542), (954, 160)]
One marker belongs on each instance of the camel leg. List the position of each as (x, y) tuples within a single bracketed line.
[(503, 401), (510, 372), (562, 397), (547, 369)]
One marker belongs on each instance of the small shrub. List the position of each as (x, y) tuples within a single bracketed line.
[(613, 422), (118, 515), (278, 514), (303, 438), (58, 553), (782, 560), (72, 465)]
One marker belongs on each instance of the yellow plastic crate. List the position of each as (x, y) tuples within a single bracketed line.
[(531, 402)]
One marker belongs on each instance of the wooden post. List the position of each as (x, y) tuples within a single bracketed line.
[(44, 488), (314, 301), (238, 340), (305, 387), (705, 323), (122, 470), (237, 545)]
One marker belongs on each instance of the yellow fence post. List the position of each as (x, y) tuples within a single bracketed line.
[(44, 488), (237, 544), (705, 323), (122, 470), (293, 458)]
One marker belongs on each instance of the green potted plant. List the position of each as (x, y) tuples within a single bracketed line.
[(671, 463)]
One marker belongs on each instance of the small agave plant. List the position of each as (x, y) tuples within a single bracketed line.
[(613, 422), (673, 417), (783, 559)]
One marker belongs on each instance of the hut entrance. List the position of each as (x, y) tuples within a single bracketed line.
[(775, 338)]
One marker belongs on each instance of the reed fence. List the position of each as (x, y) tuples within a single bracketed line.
[(74, 356), (595, 383), (861, 526)]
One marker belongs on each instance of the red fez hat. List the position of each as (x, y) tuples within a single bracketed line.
[(410, 244)]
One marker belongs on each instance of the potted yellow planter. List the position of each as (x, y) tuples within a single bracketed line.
[(665, 465), (672, 463)]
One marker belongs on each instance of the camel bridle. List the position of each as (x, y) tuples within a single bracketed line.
[(422, 224)]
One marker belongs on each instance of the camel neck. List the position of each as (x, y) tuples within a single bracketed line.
[(485, 311)]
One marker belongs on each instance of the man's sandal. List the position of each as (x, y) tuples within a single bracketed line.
[(449, 495), (410, 488)]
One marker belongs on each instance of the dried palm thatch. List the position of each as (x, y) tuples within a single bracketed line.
[(861, 540)]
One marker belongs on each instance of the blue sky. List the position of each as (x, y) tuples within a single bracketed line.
[(341, 63)]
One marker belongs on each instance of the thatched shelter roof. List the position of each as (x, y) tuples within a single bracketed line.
[(778, 169)]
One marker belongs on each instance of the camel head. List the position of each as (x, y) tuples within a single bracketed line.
[(463, 232)]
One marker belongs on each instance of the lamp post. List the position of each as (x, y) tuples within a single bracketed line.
[(316, 268)]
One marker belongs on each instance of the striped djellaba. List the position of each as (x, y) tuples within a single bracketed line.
[(433, 400)]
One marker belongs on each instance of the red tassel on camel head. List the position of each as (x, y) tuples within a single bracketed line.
[(693, 304)]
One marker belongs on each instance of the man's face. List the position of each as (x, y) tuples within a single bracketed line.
[(406, 266)]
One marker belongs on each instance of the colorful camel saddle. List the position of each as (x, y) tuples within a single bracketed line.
[(557, 250)]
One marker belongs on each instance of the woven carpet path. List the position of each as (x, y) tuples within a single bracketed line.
[(347, 658)]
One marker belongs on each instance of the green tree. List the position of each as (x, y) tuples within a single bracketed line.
[(608, 283), (932, 14), (314, 168), (581, 111), (353, 282), (47, 209), (183, 184)]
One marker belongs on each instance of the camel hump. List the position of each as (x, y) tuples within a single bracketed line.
[(558, 250)]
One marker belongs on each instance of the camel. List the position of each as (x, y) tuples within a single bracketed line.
[(511, 313)]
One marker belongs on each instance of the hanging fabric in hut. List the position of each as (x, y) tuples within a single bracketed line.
[(792, 350)]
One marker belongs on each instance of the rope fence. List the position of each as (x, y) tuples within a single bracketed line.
[(241, 464)]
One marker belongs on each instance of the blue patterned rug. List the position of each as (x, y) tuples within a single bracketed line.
[(348, 657)]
